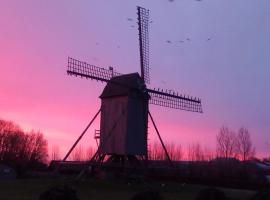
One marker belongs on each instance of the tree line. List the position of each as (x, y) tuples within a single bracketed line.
[(21, 149), (229, 144), (235, 144)]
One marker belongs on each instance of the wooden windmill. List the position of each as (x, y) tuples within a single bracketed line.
[(125, 104)]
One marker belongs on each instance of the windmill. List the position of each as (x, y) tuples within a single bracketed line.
[(125, 100)]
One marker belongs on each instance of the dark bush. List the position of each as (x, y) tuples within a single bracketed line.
[(211, 194), (59, 193), (147, 195), (262, 195)]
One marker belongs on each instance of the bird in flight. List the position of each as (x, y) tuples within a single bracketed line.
[(188, 39), (169, 41), (208, 39)]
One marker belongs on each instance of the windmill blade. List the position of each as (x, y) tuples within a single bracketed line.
[(173, 100), (143, 21), (82, 69)]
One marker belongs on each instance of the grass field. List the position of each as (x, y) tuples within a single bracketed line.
[(29, 189)]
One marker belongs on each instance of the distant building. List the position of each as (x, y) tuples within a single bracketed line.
[(7, 172)]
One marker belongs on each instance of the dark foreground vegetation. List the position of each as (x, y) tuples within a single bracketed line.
[(31, 189)]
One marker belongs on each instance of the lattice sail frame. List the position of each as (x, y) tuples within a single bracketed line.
[(173, 100), (143, 22), (79, 68)]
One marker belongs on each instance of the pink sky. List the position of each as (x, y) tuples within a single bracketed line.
[(230, 73)]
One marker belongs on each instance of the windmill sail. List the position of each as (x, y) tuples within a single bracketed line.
[(173, 100), (79, 68), (143, 19)]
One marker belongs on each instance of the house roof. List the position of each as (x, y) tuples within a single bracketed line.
[(123, 85)]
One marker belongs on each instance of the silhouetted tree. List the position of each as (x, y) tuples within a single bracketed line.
[(38, 147), (245, 149), (195, 152), (78, 154), (89, 152), (175, 152), (226, 143), (178, 152), (208, 154), (55, 153), (18, 148), (156, 151), (11, 141)]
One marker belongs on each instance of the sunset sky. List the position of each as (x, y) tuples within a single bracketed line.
[(223, 59)]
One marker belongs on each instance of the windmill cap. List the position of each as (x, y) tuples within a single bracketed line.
[(123, 85)]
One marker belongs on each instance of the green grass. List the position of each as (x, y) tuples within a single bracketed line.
[(29, 189)]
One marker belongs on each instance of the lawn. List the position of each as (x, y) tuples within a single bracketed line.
[(29, 189)]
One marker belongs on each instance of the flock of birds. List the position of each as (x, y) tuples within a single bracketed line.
[(168, 41), (186, 40)]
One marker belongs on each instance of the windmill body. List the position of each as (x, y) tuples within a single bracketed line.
[(123, 124)]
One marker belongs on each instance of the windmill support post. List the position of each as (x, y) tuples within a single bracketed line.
[(80, 137), (161, 141)]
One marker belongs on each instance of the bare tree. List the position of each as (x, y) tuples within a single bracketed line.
[(20, 148), (89, 153), (78, 154), (171, 150), (245, 149), (178, 152), (195, 152), (208, 154), (226, 143), (55, 153), (156, 151), (175, 152), (38, 147)]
